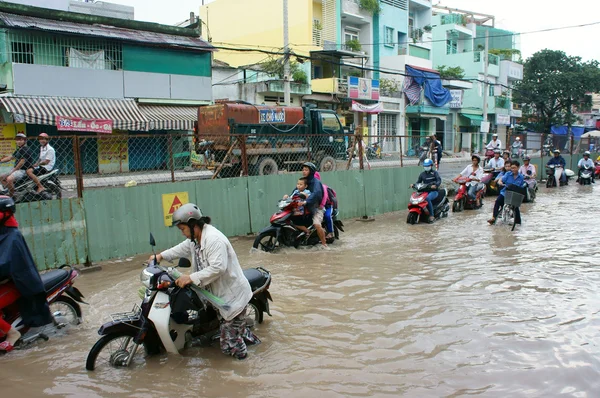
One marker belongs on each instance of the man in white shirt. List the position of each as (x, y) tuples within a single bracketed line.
[(497, 163), (47, 156), (586, 161), (494, 143), (474, 172)]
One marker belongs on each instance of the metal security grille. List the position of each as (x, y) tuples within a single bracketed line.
[(402, 4), (387, 126), (60, 50)]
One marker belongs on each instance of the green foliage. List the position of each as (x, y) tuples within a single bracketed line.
[(299, 76), (451, 72), (355, 73), (353, 45), (274, 67), (371, 6), (427, 28), (505, 53), (553, 86), (388, 86)]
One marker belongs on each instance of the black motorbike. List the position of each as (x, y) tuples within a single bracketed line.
[(26, 189)]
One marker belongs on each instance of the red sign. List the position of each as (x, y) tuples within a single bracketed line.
[(66, 123)]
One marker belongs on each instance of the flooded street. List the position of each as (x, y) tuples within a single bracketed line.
[(458, 308)]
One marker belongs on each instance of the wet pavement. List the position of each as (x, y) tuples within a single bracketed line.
[(451, 309)]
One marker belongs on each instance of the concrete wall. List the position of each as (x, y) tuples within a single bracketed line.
[(95, 83)]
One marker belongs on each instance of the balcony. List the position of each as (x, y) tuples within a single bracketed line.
[(276, 86), (492, 59), (352, 13), (424, 107), (330, 85), (502, 102)]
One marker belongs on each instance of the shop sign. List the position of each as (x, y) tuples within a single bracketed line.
[(66, 123)]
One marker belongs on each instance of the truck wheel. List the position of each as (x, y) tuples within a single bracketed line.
[(267, 166), (327, 163)]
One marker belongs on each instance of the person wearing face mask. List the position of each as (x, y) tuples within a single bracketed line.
[(433, 179)]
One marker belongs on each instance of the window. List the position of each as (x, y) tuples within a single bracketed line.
[(451, 46), (331, 123), (350, 34), (491, 90), (389, 36), (317, 33), (22, 53)]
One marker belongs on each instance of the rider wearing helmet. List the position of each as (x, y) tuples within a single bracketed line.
[(47, 159), (314, 201), (432, 178), (586, 162), (496, 163), (214, 266), (528, 170), (474, 172), (494, 143), (19, 278), (558, 161)]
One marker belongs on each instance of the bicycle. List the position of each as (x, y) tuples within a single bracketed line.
[(512, 200)]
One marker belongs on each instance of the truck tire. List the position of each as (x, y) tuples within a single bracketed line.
[(327, 163), (267, 166)]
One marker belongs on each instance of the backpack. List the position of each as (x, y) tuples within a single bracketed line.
[(332, 198)]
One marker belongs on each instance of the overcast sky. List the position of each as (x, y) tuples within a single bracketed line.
[(513, 15)]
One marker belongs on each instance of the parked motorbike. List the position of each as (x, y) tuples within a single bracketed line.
[(26, 190), (283, 232), (417, 205), (374, 151), (63, 299), (170, 318), (462, 200), (554, 173), (585, 175)]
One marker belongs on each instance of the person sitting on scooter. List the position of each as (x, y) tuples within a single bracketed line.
[(506, 157), (47, 159), (496, 163), (313, 203), (513, 181), (216, 267), (299, 218), (528, 171), (474, 172), (24, 160), (329, 202), (586, 162), (20, 280), (437, 150), (558, 161), (505, 170), (495, 143), (430, 176), (516, 147)]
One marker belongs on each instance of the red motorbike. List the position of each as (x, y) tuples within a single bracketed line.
[(417, 205), (283, 232), (462, 200), (62, 297), (597, 171), (489, 154)]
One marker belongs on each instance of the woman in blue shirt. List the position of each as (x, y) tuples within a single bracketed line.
[(516, 182)]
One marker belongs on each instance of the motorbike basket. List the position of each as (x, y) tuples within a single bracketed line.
[(513, 198)]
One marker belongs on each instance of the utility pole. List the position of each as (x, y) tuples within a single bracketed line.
[(485, 84), (286, 56)]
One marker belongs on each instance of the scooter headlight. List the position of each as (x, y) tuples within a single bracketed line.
[(416, 201), (145, 277)]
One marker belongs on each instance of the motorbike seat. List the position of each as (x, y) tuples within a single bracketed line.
[(440, 197), (256, 278), (55, 278)]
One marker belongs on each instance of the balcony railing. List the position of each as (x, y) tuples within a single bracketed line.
[(492, 59), (331, 85), (276, 86)]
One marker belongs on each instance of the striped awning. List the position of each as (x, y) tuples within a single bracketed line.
[(124, 113), (170, 117)]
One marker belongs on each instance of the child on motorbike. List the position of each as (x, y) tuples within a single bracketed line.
[(300, 220)]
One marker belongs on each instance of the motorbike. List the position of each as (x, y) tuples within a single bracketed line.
[(489, 154), (63, 299), (417, 205), (374, 151), (597, 172), (283, 232), (170, 318), (25, 189), (489, 179), (585, 175), (517, 150), (554, 173), (462, 200), (423, 151), (531, 189), (548, 147)]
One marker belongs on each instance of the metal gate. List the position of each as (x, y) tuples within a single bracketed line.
[(387, 128)]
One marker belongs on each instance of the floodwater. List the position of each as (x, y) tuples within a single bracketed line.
[(454, 309)]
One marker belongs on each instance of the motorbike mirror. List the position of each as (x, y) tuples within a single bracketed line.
[(152, 241), (184, 263)]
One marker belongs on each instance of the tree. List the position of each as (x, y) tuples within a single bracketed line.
[(451, 72), (274, 67), (553, 85)]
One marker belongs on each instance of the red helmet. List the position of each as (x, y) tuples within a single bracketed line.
[(7, 211), (44, 135)]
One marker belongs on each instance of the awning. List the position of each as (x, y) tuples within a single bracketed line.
[(43, 110), (474, 119), (322, 98), (166, 117)]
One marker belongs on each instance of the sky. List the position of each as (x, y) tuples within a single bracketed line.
[(514, 15)]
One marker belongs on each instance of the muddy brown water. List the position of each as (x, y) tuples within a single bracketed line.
[(458, 308)]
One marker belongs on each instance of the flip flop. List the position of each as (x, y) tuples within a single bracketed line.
[(6, 346)]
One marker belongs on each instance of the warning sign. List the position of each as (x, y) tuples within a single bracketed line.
[(171, 202)]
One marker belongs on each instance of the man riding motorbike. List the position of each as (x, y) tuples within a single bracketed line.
[(45, 163), (474, 172), (517, 147), (430, 176), (313, 203), (495, 143), (216, 267), (528, 171), (558, 161), (19, 278), (586, 161), (24, 160), (496, 163)]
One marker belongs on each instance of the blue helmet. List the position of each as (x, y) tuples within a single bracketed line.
[(428, 163)]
